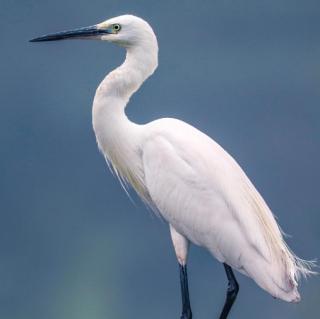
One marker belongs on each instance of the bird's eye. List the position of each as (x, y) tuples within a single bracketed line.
[(116, 27)]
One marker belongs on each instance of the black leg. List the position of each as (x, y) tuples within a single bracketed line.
[(233, 288), (186, 309)]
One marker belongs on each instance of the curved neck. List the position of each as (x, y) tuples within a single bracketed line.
[(117, 137), (109, 119), (118, 86)]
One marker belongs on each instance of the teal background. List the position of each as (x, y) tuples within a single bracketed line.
[(72, 245)]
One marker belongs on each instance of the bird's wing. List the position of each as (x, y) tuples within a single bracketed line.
[(200, 190)]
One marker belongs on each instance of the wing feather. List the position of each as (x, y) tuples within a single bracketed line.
[(201, 190)]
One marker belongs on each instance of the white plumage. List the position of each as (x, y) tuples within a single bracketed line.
[(191, 181), (196, 186)]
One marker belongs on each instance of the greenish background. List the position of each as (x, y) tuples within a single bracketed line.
[(72, 245)]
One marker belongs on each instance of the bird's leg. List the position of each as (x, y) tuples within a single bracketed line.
[(186, 308), (181, 246), (232, 291)]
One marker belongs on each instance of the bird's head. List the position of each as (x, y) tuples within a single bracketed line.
[(125, 30)]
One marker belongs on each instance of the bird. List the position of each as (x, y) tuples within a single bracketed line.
[(186, 177)]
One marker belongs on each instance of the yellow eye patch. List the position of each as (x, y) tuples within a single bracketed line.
[(110, 28)]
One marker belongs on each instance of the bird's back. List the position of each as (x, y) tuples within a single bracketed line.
[(200, 189)]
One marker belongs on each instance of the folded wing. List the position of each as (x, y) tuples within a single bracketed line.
[(204, 194)]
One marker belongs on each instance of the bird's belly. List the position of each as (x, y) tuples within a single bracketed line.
[(208, 223)]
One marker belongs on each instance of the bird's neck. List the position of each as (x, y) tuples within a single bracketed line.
[(113, 129), (119, 85)]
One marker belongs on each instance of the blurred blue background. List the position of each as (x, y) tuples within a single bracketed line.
[(72, 245)]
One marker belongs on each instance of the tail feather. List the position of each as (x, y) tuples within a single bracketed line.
[(303, 268), (285, 267), (294, 268)]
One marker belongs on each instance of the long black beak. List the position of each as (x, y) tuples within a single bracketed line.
[(81, 33)]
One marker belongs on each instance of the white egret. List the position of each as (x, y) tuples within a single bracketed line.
[(190, 180)]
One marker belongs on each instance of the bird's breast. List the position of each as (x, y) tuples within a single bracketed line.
[(119, 140)]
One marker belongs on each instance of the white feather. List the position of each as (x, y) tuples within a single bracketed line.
[(194, 184)]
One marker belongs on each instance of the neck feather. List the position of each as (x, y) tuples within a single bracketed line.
[(141, 61), (118, 137)]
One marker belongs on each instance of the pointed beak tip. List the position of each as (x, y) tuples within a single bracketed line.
[(39, 39)]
